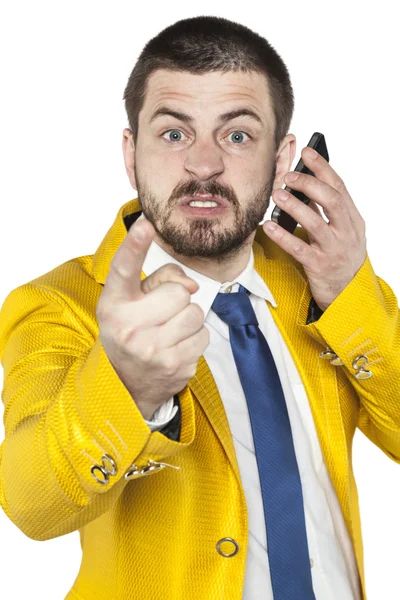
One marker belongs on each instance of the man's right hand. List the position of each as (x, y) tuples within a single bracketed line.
[(151, 333)]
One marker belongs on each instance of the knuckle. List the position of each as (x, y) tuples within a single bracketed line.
[(281, 235), (192, 370), (200, 341), (314, 225), (172, 269), (166, 274), (337, 201), (309, 182), (146, 284), (118, 266), (296, 206), (206, 335), (171, 364), (121, 336), (339, 183), (176, 292), (126, 334), (181, 292), (132, 239), (196, 312), (298, 249), (148, 352)]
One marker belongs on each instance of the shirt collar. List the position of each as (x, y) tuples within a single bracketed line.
[(157, 257)]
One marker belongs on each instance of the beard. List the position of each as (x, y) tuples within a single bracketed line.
[(206, 237)]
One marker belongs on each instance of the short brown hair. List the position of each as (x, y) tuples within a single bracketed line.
[(204, 44)]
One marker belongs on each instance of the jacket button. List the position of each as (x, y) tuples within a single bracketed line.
[(359, 364), (363, 374), (360, 361), (227, 547), (106, 458), (331, 356), (105, 478), (328, 354), (336, 361)]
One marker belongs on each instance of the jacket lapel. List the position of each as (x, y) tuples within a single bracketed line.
[(293, 295)]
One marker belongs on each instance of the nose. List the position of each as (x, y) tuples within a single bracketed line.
[(204, 160)]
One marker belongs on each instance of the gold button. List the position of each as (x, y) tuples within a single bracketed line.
[(311, 562), (228, 289), (230, 547)]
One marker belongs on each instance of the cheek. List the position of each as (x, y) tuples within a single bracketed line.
[(246, 179), (162, 165), (253, 170)]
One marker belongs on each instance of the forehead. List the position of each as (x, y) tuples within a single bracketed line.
[(208, 90)]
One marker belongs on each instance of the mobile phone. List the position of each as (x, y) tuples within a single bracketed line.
[(279, 216)]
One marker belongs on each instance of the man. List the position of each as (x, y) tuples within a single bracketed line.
[(187, 396)]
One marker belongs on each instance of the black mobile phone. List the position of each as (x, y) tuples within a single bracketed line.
[(279, 216)]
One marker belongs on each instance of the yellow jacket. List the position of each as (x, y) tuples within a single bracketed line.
[(154, 535)]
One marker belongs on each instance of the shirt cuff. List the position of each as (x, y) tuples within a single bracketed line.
[(163, 415)]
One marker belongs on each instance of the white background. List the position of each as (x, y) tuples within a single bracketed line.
[(64, 66)]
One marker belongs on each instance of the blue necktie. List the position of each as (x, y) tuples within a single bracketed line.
[(282, 495)]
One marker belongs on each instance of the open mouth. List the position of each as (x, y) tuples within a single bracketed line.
[(204, 205)]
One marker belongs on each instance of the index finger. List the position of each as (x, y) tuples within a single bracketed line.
[(124, 277)]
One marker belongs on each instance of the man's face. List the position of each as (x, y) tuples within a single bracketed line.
[(234, 159)]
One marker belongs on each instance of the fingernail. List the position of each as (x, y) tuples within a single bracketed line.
[(270, 225), (281, 195), (310, 153), (291, 177)]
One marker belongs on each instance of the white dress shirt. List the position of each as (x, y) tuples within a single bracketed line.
[(333, 565)]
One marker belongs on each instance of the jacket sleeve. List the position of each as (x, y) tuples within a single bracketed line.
[(362, 326), (65, 408)]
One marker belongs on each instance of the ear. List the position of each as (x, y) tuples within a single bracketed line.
[(128, 149), (284, 158)]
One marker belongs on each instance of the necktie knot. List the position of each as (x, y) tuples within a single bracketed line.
[(235, 308)]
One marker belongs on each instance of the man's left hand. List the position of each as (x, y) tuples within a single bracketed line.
[(337, 249)]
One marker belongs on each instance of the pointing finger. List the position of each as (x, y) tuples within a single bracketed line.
[(124, 277)]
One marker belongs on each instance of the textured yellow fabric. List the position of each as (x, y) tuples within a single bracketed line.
[(155, 537)]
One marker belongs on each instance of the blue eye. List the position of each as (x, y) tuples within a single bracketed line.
[(177, 132), (238, 134)]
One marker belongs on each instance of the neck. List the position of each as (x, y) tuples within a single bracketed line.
[(226, 269)]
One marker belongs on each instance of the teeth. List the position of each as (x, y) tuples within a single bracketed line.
[(200, 203)]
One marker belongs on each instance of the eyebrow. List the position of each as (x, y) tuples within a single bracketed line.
[(224, 118)]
